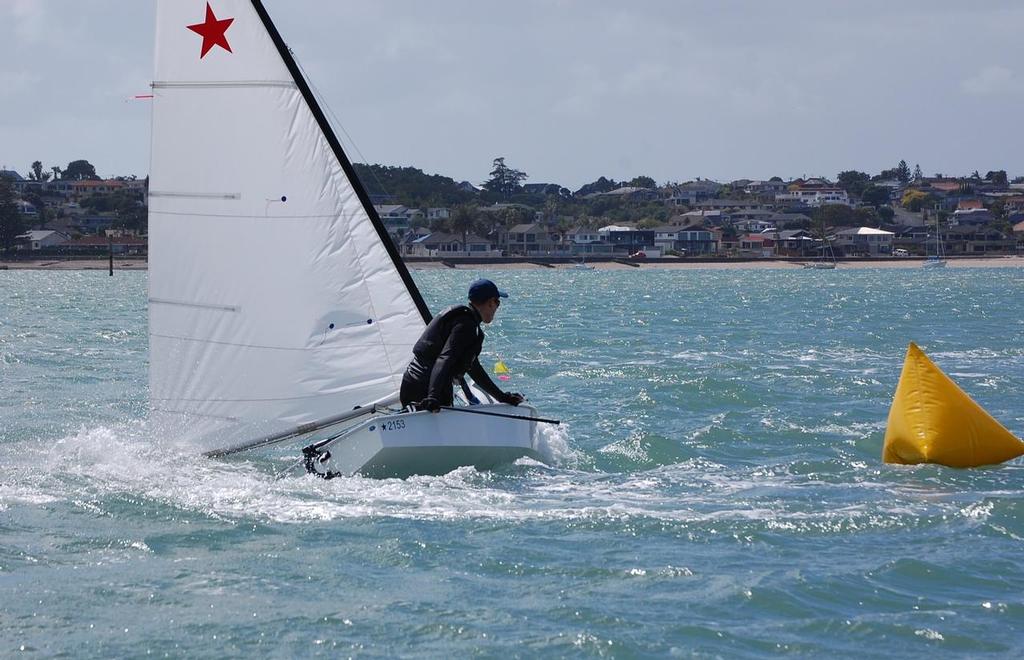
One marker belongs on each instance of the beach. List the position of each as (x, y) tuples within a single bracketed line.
[(1011, 261)]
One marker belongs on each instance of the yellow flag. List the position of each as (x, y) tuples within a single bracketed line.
[(933, 421)]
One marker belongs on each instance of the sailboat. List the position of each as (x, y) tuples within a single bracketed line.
[(822, 262), (937, 260), (279, 309), (932, 420)]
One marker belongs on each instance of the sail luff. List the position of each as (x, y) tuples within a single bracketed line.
[(276, 296), (339, 152)]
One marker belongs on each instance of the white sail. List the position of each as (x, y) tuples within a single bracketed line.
[(274, 299)]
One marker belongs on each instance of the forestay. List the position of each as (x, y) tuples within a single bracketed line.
[(275, 299)]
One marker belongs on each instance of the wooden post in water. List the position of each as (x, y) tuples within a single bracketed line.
[(110, 253)]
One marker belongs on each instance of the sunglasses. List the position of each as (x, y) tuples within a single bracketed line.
[(497, 303)]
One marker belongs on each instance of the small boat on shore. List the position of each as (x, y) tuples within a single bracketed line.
[(937, 260), (827, 260), (932, 420)]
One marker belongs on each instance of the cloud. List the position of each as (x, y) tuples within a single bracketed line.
[(29, 19), (990, 81)]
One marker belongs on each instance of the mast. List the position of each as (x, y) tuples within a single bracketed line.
[(346, 164)]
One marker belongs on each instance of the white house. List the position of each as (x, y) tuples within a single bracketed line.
[(815, 196), (397, 218), (40, 239), (440, 244), (863, 241), (438, 214)]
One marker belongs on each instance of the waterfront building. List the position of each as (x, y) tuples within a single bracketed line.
[(863, 242)]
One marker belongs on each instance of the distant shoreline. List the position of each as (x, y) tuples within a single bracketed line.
[(512, 263)]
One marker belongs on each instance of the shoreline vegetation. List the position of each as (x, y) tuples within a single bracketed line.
[(560, 263)]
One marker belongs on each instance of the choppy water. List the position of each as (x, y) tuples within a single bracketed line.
[(717, 489)]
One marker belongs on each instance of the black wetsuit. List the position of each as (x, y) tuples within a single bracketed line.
[(448, 349)]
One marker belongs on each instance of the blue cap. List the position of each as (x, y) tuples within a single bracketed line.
[(482, 290)]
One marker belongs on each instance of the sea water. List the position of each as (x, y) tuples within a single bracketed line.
[(715, 488)]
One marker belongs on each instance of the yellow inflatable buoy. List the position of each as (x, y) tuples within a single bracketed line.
[(934, 421), (500, 368)]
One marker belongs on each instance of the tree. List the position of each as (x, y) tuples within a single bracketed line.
[(903, 171), (11, 222), (36, 200), (131, 213), (875, 195), (37, 173), (642, 182), (411, 187), (834, 215), (886, 175), (57, 172), (885, 214), (852, 181), (997, 177), (601, 185), (551, 209), (463, 221), (504, 180), (915, 200), (80, 170), (918, 174)]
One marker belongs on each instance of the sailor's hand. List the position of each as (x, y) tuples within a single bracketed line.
[(513, 398), (431, 404)]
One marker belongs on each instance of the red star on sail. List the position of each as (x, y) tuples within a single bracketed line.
[(212, 31)]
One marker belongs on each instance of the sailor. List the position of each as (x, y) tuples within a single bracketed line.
[(449, 348)]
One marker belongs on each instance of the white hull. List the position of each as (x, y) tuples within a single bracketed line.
[(404, 444), (820, 266), (934, 263)]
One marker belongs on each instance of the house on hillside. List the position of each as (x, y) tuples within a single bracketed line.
[(26, 209), (766, 190), (974, 239), (41, 239), (438, 213), (1018, 234), (971, 216), (582, 236), (398, 219), (793, 242), (692, 192), (753, 220), (703, 218), (441, 244), (813, 195), (627, 238), (526, 240), (628, 193), (16, 180), (913, 238), (863, 242), (728, 205), (691, 241), (757, 245), (95, 244), (88, 187)]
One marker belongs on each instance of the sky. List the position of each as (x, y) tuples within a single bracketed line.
[(566, 90)]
